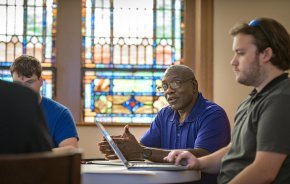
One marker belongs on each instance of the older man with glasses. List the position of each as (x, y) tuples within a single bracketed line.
[(26, 70), (190, 122)]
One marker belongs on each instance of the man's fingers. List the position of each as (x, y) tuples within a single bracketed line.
[(184, 157), (103, 143), (108, 154), (112, 136), (119, 141), (127, 132), (116, 139), (172, 155), (111, 157), (126, 129), (178, 159), (105, 148), (167, 158), (116, 136)]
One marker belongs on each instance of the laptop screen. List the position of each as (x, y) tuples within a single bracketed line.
[(112, 143)]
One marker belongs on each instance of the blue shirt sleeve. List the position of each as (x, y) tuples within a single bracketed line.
[(65, 127), (152, 137), (59, 121), (214, 131)]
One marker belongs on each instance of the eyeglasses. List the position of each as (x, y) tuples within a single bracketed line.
[(257, 23), (173, 85)]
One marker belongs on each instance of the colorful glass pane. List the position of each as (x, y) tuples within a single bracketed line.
[(113, 96), (126, 46), (29, 27)]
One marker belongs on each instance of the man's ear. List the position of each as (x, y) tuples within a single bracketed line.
[(267, 54), (195, 86), (41, 80)]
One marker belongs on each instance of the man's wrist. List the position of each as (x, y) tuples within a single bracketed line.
[(147, 153)]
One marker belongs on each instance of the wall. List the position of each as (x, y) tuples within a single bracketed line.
[(226, 91), (91, 135), (227, 13)]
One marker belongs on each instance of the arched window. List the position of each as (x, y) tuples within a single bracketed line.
[(126, 47), (29, 27)]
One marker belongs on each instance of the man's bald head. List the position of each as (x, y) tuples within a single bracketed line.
[(184, 72)]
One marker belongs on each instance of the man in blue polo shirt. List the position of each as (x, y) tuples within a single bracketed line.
[(26, 70), (189, 122)]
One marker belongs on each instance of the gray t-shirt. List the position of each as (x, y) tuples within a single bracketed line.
[(262, 123)]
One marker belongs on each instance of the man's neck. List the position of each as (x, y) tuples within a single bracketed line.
[(39, 99), (270, 75), (183, 114)]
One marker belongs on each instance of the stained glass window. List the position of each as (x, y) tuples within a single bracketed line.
[(126, 47), (29, 27)]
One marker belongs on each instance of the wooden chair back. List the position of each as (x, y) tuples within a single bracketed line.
[(41, 168)]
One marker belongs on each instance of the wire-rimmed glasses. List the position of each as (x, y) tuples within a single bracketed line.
[(173, 85)]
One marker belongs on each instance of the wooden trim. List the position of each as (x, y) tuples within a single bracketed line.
[(82, 124), (198, 52), (68, 57), (189, 34)]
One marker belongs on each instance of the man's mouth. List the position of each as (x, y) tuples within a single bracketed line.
[(235, 69), (171, 100)]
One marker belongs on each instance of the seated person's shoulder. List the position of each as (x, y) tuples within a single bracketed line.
[(13, 92), (21, 113), (48, 103), (212, 110), (167, 110), (213, 107)]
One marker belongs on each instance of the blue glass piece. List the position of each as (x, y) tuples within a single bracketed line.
[(132, 104)]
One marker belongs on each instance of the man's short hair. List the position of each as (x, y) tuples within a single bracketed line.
[(26, 66), (268, 32)]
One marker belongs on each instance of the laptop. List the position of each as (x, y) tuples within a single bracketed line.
[(139, 165)]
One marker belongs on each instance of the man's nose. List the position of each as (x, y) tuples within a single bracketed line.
[(234, 61)]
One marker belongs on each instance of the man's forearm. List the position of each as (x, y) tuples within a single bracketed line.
[(212, 163), (199, 152), (157, 155), (154, 154)]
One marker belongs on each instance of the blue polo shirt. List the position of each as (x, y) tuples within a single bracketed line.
[(206, 127), (59, 120)]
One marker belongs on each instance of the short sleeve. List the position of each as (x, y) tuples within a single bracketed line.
[(65, 127), (152, 137), (274, 125), (214, 132)]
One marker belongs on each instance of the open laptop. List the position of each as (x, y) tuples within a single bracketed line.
[(140, 165)]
